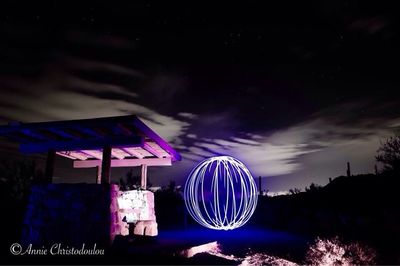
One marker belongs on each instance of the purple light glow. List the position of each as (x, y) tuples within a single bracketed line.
[(220, 193)]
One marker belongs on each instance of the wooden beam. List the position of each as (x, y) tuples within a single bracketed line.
[(150, 149), (84, 144), (106, 165), (33, 134), (118, 154), (51, 155), (88, 131), (143, 180), (125, 162), (124, 130), (98, 174), (133, 153), (73, 155), (151, 134), (20, 139), (62, 133), (66, 155), (92, 153)]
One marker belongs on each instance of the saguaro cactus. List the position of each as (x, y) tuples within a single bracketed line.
[(348, 169)]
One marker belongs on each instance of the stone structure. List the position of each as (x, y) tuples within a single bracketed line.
[(73, 214), (136, 207), (70, 214), (78, 213)]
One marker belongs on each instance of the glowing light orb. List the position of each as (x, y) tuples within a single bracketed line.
[(220, 193)]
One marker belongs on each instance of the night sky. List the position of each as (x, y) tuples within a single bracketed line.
[(294, 90)]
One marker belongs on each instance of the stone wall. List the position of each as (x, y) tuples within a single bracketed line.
[(73, 214), (117, 226), (70, 214), (136, 207)]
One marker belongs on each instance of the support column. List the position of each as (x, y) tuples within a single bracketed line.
[(51, 156), (106, 166), (143, 182), (98, 174)]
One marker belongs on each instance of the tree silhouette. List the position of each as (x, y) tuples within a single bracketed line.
[(16, 178), (293, 191), (132, 181), (313, 188), (389, 154)]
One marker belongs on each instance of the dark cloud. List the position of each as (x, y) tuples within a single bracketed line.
[(294, 96)]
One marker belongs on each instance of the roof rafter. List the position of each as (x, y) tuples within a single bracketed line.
[(125, 162)]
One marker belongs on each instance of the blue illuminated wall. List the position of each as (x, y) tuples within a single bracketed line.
[(71, 214)]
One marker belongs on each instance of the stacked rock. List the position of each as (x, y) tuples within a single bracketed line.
[(70, 214)]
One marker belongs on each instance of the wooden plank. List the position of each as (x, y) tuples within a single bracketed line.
[(153, 151), (124, 130), (34, 134), (75, 155), (62, 133), (93, 153), (84, 144), (98, 174), (119, 154), (133, 152), (62, 153), (88, 131), (154, 136), (125, 162), (143, 180)]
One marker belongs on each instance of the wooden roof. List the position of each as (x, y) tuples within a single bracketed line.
[(84, 139)]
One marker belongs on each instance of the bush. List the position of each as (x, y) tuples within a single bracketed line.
[(334, 252)]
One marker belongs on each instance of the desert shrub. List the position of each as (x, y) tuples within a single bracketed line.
[(334, 252)]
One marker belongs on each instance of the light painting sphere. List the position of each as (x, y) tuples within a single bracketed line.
[(220, 193)]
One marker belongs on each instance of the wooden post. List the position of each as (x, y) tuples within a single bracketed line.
[(51, 155), (98, 174), (143, 182), (106, 166)]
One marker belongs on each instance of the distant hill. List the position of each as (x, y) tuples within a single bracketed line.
[(357, 208)]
